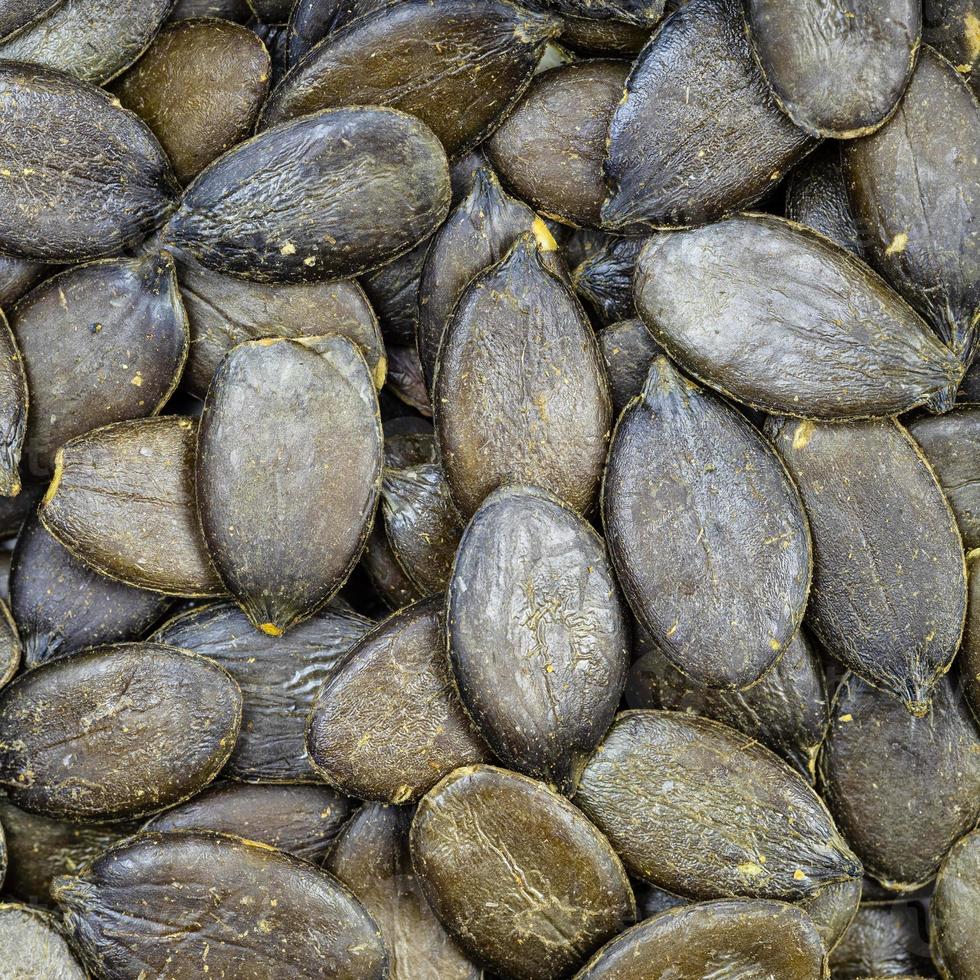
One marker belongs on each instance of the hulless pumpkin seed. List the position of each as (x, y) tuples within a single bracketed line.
[(18, 14), (628, 350), (955, 908), (883, 937), (14, 401)]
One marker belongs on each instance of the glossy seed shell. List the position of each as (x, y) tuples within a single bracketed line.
[(321, 197), (781, 319), (458, 65), (372, 859), (893, 609), (540, 412), (902, 789), (682, 150), (100, 343), (86, 178), (279, 678), (288, 471), (142, 726), (538, 636), (702, 519), (138, 908), (388, 724), (98, 507), (470, 834), (751, 939), (697, 808), (836, 72), (62, 606)]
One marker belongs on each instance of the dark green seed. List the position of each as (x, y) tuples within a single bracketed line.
[(891, 610), (902, 789), (836, 72), (639, 12), (33, 945), (278, 677), (98, 506), (915, 188), (558, 890), (17, 14), (290, 428), (538, 637), (536, 409), (784, 320), (321, 197), (41, 848), (388, 724), (888, 939), (955, 911), (371, 857), (100, 343), (951, 444), (17, 276), (62, 606), (394, 294), (550, 149), (119, 731), (702, 519), (223, 311), (138, 908), (300, 820), (605, 38), (682, 150), (816, 196), (405, 378), (832, 910), (787, 709), (91, 39), (605, 279), (422, 524), (313, 20), (478, 233), (13, 410), (628, 350), (458, 65), (79, 176), (199, 87), (697, 808), (750, 939)]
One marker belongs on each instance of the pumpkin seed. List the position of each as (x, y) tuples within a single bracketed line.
[(952, 27), (394, 294), (18, 14), (628, 350), (605, 279), (969, 658), (13, 410), (832, 910), (882, 937), (33, 945), (17, 276), (955, 910)]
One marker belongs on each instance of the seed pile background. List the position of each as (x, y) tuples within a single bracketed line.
[(489, 491)]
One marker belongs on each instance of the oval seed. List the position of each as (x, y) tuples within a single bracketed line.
[(538, 637), (682, 150), (388, 723), (458, 65), (17, 276), (892, 609), (321, 197), (371, 857), (702, 520), (279, 678), (836, 72), (955, 910), (98, 507), (695, 807), (832, 910), (79, 176), (33, 945), (138, 908), (290, 428), (559, 890), (101, 343), (839, 344), (119, 731), (538, 409), (902, 788)]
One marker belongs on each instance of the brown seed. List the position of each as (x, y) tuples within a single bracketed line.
[(388, 724), (558, 889), (279, 678), (532, 405), (290, 428), (101, 343), (119, 731), (199, 87), (902, 789), (98, 507), (371, 857), (697, 808), (138, 907), (458, 65)]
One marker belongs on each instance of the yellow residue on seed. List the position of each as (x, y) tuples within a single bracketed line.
[(137, 380), (546, 241), (750, 868), (802, 435), (847, 717), (798, 875), (774, 644), (270, 629), (288, 249), (898, 244), (971, 31)]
